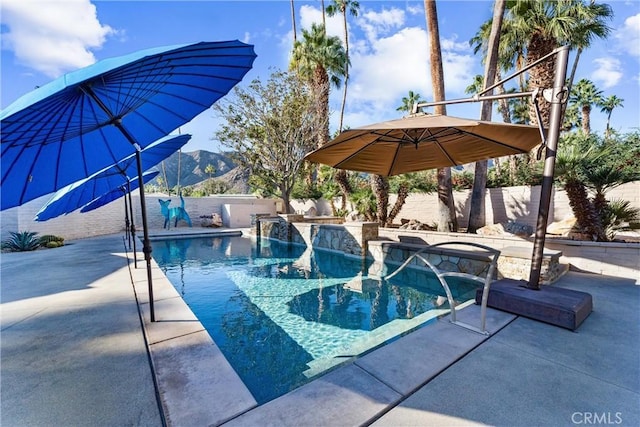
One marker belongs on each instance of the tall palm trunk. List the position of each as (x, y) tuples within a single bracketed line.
[(446, 211), (586, 119), (380, 187), (403, 193), (503, 109), (293, 21), (586, 216), (477, 209), (541, 76), (321, 82), (342, 179), (346, 68)]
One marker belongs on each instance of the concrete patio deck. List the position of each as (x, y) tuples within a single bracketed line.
[(76, 350)]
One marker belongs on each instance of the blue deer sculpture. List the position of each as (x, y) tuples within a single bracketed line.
[(174, 214)]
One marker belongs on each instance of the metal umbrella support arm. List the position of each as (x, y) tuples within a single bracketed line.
[(557, 96)]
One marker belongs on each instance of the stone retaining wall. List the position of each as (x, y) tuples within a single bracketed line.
[(607, 258), (391, 254), (350, 238)]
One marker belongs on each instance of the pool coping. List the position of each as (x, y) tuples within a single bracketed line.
[(191, 371)]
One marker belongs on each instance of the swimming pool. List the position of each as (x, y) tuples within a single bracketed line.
[(283, 314)]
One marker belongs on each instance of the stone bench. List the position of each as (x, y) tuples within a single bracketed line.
[(515, 263)]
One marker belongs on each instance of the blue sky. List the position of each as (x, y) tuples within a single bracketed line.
[(42, 39)]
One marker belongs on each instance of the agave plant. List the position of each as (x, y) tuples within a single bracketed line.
[(22, 241)]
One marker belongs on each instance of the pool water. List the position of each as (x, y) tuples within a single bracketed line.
[(283, 314)]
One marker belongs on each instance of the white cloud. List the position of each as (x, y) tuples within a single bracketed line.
[(388, 59), (454, 44), (608, 72), (417, 9), (376, 24), (310, 15), (388, 68), (628, 36), (53, 36), (392, 66), (458, 71)]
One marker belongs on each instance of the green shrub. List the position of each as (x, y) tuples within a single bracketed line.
[(22, 241), (48, 238)]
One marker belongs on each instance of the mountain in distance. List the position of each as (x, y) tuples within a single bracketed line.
[(191, 167)]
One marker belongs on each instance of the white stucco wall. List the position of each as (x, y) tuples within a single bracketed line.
[(111, 219), (501, 204)]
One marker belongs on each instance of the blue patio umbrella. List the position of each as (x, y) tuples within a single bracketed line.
[(118, 192), (78, 194), (94, 117), (125, 190)]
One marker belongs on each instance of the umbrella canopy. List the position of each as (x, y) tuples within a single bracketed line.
[(94, 117), (80, 193), (423, 142), (118, 192)]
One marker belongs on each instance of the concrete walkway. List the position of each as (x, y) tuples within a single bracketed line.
[(74, 352)]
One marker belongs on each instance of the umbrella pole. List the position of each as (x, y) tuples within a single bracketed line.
[(146, 246), (133, 227), (126, 220), (558, 98)]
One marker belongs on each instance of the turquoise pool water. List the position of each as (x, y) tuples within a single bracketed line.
[(282, 314)]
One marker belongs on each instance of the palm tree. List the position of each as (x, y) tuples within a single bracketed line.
[(591, 25), (324, 17), (380, 188), (571, 118), (585, 94), (320, 59), (571, 162), (477, 212), (602, 178), (511, 51), (608, 104), (476, 85), (409, 101), (344, 6), (447, 215), (544, 25), (210, 170)]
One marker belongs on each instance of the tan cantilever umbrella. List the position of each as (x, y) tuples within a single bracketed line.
[(423, 142)]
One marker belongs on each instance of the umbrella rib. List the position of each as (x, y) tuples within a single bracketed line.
[(393, 162), (445, 152), (8, 168)]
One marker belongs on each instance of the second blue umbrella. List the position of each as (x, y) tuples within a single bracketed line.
[(78, 194)]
